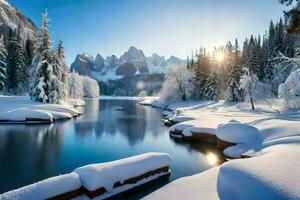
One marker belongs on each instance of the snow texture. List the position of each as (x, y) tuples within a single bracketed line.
[(45, 189), (21, 109), (274, 175), (200, 186), (236, 132), (105, 175)]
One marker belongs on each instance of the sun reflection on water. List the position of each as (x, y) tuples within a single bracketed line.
[(212, 159)]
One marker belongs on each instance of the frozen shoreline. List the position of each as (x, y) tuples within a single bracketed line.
[(264, 135), (20, 109)]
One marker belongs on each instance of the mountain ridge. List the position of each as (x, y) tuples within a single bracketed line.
[(132, 62)]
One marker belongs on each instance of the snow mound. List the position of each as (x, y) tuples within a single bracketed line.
[(105, 175), (237, 151), (200, 186), (179, 119), (46, 189), (188, 132), (236, 132), (274, 175)]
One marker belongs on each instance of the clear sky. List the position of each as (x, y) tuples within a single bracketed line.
[(167, 27)]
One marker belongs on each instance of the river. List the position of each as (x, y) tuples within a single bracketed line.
[(109, 129)]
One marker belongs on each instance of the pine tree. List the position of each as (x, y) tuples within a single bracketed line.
[(233, 92), (30, 49), (202, 70), (46, 86), (16, 63), (211, 89), (271, 54), (254, 62), (3, 56)]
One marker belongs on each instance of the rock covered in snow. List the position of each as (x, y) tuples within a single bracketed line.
[(236, 132), (45, 189), (105, 175)]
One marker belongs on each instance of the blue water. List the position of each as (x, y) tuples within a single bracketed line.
[(108, 130)]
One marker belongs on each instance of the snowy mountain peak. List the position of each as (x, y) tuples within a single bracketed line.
[(132, 62)]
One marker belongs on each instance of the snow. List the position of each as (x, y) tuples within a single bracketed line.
[(274, 175), (123, 188), (289, 91), (105, 175), (188, 132), (270, 138), (200, 186), (45, 189), (20, 109), (236, 132)]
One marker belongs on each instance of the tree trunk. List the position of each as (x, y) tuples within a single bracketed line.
[(252, 104)]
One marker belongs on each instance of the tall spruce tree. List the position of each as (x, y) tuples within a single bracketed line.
[(16, 63), (3, 56), (46, 86), (212, 89)]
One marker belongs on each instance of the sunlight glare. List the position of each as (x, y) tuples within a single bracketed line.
[(212, 159), (220, 56)]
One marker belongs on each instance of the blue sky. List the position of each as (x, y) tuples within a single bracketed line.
[(167, 27)]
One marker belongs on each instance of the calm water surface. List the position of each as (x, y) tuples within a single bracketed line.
[(108, 130)]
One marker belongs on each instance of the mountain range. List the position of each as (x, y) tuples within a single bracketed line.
[(132, 62)]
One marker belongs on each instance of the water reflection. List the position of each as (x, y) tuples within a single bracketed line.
[(108, 130), (28, 152)]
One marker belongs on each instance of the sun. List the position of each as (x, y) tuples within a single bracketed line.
[(220, 56)]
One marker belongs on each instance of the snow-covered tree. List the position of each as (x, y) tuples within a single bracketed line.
[(75, 86), (179, 84), (17, 67), (212, 90), (247, 84), (233, 92), (90, 87), (47, 86), (3, 56), (289, 91)]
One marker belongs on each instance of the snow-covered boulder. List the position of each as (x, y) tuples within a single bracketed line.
[(107, 175), (236, 132), (46, 189), (188, 132), (274, 175)]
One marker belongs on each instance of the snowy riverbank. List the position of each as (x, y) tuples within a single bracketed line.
[(271, 140), (19, 109)]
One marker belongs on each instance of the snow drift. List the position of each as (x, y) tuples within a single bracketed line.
[(46, 189), (274, 175)]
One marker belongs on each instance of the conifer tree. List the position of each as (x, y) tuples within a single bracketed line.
[(3, 56), (46, 86), (16, 63), (211, 89)]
